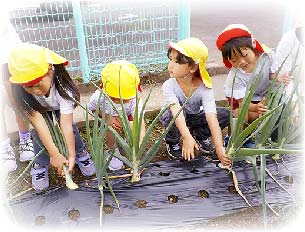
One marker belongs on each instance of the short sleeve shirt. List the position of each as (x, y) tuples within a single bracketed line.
[(129, 106), (56, 102), (266, 65), (202, 98)]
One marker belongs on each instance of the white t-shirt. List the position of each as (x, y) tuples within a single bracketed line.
[(202, 98), (244, 80), (129, 107), (289, 45), (56, 102)]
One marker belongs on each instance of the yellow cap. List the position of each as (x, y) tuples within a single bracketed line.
[(29, 62), (121, 74), (195, 49)]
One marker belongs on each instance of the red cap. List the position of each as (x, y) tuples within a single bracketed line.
[(234, 31)]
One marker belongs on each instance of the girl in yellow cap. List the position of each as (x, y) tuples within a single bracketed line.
[(200, 118), (118, 77), (41, 84)]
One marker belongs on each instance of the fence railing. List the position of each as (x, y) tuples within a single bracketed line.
[(91, 34)]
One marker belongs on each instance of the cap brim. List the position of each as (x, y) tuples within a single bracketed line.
[(177, 48), (53, 58)]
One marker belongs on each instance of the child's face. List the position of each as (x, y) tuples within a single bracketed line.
[(175, 69), (42, 88), (118, 101), (246, 60)]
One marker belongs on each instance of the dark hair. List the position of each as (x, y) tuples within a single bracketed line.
[(182, 59), (63, 83), (234, 45)]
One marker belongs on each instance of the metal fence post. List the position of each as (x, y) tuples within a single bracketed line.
[(184, 19), (81, 41)]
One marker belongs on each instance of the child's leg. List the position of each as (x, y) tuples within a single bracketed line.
[(39, 171), (115, 163), (223, 117), (172, 138), (252, 116), (199, 125), (7, 155), (26, 148), (173, 135), (110, 140), (83, 158)]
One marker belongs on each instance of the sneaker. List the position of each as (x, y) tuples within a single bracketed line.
[(206, 145), (26, 150), (40, 177), (85, 163), (226, 141), (174, 150), (115, 163), (249, 144), (9, 160)]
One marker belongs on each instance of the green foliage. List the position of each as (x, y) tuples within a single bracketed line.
[(279, 117), (60, 142), (138, 156)]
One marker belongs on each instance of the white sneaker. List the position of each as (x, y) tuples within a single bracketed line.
[(114, 164), (40, 177), (26, 150), (85, 163), (9, 160)]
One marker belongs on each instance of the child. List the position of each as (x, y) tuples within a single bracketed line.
[(200, 118), (9, 38), (124, 74), (291, 48), (246, 57), (42, 84)]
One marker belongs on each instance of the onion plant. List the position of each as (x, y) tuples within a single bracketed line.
[(96, 136), (60, 142), (278, 118), (138, 156)]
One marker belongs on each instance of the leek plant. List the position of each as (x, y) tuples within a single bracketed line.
[(138, 156), (276, 118), (96, 139), (60, 142)]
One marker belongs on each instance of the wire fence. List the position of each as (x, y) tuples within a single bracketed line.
[(91, 34)]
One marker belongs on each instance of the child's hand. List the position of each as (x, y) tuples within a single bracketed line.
[(71, 164), (115, 123), (260, 107), (222, 156), (188, 146), (57, 161), (284, 78)]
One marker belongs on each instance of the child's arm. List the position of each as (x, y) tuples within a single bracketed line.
[(282, 78), (143, 129), (254, 110), (217, 138), (189, 142), (56, 159), (66, 121)]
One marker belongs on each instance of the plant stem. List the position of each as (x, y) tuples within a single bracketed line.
[(100, 188), (135, 173)]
